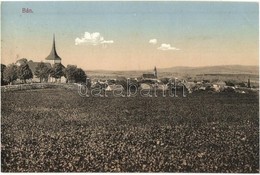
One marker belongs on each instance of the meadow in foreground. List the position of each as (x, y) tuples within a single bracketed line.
[(53, 130)]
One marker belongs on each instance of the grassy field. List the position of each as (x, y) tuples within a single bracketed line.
[(57, 130)]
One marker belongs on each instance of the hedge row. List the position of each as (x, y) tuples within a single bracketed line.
[(9, 88)]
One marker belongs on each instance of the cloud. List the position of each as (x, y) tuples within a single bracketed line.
[(167, 47), (108, 42), (92, 39), (153, 41)]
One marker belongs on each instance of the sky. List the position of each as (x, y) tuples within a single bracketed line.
[(132, 35)]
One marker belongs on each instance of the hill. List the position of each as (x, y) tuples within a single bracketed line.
[(225, 69), (181, 71)]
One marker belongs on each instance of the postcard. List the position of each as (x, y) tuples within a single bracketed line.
[(130, 86)]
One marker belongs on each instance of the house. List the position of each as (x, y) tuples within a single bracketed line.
[(149, 76), (219, 86), (145, 86), (202, 88), (205, 86), (161, 86), (114, 87), (191, 86)]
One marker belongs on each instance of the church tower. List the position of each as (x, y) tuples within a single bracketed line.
[(248, 83), (53, 57), (155, 72)]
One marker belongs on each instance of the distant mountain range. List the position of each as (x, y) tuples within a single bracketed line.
[(225, 69)]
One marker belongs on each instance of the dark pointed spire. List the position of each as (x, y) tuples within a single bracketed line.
[(53, 55), (53, 43), (155, 71)]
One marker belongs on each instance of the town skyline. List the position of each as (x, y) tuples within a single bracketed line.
[(132, 35)]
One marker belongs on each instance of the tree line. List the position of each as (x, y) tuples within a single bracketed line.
[(12, 72)]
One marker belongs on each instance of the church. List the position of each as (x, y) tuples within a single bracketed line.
[(150, 76), (52, 59)]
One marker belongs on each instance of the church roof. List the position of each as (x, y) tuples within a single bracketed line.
[(149, 76), (53, 55), (32, 65)]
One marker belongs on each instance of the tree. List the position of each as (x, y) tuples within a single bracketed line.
[(230, 83), (80, 76), (205, 81), (70, 72), (57, 71), (132, 84), (74, 74), (3, 67), (122, 81), (21, 61), (42, 71), (242, 84), (24, 72), (165, 80), (10, 73)]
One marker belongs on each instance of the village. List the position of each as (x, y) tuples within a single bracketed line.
[(149, 84), (52, 71), (130, 87)]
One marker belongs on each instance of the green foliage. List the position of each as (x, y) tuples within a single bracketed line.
[(22, 61), (165, 80), (122, 81), (70, 72), (74, 74), (42, 71), (131, 83), (57, 71), (80, 76), (10, 73), (3, 67), (24, 72), (242, 84), (205, 81), (230, 83)]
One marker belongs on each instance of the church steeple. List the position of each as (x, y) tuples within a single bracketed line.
[(155, 71), (53, 56)]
